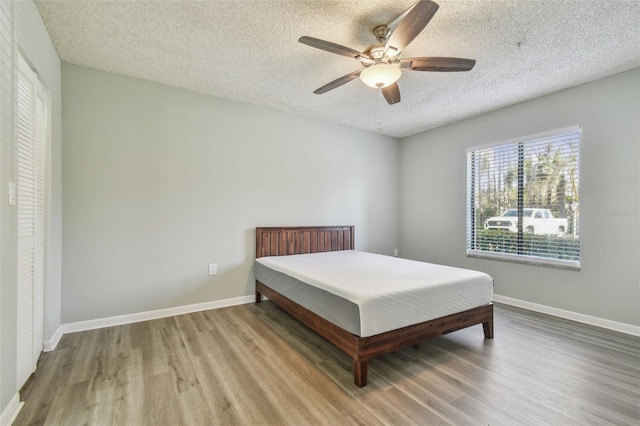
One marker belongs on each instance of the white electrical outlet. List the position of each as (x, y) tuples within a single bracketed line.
[(395, 252), (213, 268)]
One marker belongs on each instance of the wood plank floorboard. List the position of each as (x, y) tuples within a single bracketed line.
[(255, 365)]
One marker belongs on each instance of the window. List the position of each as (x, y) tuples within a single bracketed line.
[(523, 199)]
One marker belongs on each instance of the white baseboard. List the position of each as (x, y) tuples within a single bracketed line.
[(11, 411), (73, 327), (51, 344), (573, 316)]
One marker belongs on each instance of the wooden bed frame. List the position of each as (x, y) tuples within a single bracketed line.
[(313, 239)]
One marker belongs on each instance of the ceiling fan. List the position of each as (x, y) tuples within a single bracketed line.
[(383, 61)]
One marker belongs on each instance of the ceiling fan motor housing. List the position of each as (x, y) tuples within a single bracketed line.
[(377, 53)]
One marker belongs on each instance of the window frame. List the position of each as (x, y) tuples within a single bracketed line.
[(471, 250)]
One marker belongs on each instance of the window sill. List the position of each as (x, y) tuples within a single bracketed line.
[(570, 265)]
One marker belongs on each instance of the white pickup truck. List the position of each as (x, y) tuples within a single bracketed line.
[(535, 221)]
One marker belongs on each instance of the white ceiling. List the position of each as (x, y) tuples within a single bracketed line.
[(248, 51)]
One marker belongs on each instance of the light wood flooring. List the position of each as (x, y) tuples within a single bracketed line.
[(254, 365)]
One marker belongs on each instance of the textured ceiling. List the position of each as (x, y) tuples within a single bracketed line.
[(248, 51)]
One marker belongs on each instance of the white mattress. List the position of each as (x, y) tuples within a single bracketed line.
[(390, 292)]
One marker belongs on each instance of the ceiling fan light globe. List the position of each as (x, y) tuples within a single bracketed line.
[(380, 75)]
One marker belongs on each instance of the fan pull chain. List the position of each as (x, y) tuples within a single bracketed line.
[(380, 105)]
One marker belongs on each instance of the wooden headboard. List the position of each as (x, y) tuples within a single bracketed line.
[(303, 239)]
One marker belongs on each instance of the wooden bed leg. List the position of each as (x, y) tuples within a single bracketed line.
[(360, 370), (488, 329), (258, 294)]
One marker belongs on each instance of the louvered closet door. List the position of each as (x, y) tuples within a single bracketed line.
[(31, 136), (40, 143)]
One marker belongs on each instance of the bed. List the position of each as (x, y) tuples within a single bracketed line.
[(346, 297)]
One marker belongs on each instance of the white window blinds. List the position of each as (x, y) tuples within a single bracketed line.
[(523, 199)]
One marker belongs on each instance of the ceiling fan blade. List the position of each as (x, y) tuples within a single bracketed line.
[(399, 18), (411, 25), (438, 64), (338, 82), (329, 47), (391, 93)]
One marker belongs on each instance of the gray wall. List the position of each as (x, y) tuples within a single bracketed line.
[(433, 186), (25, 32), (160, 182)]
